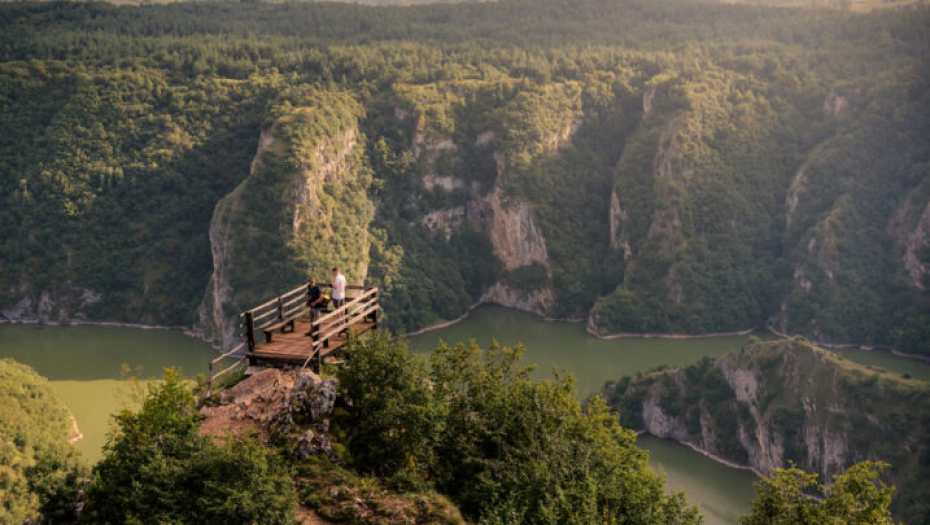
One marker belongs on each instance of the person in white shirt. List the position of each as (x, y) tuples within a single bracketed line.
[(339, 289)]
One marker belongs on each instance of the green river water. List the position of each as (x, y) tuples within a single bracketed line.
[(84, 365)]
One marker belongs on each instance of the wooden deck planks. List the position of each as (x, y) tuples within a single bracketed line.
[(295, 347)]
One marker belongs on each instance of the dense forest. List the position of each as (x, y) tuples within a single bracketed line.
[(460, 435), (35, 428), (649, 166)]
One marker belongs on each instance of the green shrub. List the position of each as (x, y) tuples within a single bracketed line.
[(158, 468), (505, 448)]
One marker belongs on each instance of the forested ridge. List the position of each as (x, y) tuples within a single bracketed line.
[(35, 429), (652, 166), (783, 403)]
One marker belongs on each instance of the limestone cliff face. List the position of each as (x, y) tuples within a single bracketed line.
[(62, 303), (668, 174), (514, 236), (771, 403), (538, 300), (518, 243), (619, 239), (302, 209), (215, 323), (511, 228), (910, 229), (507, 221)]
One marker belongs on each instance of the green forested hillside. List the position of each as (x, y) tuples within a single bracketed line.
[(788, 401), (34, 431), (653, 166)]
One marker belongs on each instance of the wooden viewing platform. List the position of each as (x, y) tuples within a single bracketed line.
[(280, 332)]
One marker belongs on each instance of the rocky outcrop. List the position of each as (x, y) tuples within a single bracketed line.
[(538, 300), (834, 104), (515, 239), (215, 323), (774, 403), (648, 97), (660, 424), (248, 406), (910, 229), (449, 183), (668, 175), (563, 137), (277, 406), (61, 304), (485, 137), (511, 228), (619, 239), (444, 222), (306, 183), (433, 148)]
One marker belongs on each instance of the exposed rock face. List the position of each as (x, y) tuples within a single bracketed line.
[(648, 97), (910, 228), (537, 301), (822, 245), (433, 148), (312, 397), (249, 406), (63, 303), (666, 222), (511, 228), (449, 183), (444, 222), (772, 403), (329, 162), (563, 137), (216, 324), (507, 222), (276, 404), (618, 236), (834, 104), (484, 137), (794, 195), (657, 423), (515, 238), (219, 290)]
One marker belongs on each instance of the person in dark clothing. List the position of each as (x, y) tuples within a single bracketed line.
[(315, 300)]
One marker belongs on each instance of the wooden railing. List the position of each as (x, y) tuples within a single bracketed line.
[(289, 307), (238, 358), (362, 308)]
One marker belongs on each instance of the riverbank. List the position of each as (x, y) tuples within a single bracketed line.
[(577, 320), (656, 335), (723, 461), (444, 324), (75, 435), (186, 330), (868, 348)]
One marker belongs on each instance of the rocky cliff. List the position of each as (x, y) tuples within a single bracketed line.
[(774, 403), (487, 203), (303, 209), (634, 189)]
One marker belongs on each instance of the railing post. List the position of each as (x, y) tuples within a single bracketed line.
[(280, 308), (250, 331)]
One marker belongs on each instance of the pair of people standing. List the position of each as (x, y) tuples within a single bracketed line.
[(316, 299)]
